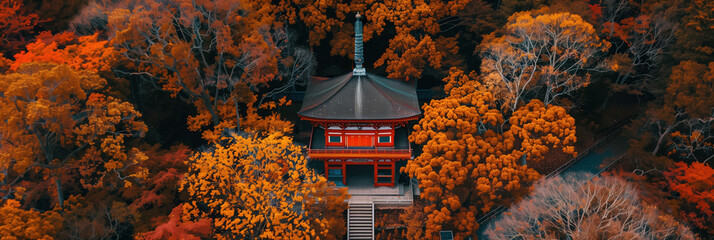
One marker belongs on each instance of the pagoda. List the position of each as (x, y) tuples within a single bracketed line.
[(359, 118)]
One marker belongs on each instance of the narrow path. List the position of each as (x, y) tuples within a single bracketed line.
[(590, 164)]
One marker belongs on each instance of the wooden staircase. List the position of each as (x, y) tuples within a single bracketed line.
[(360, 221)]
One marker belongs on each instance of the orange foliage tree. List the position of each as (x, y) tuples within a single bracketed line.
[(215, 54), (545, 56), (694, 184), (255, 187), (79, 52), (471, 153), (59, 123), (17, 223), (418, 39)]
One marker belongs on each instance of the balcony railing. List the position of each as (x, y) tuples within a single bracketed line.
[(387, 153)]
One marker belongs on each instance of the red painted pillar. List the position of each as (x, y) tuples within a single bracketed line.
[(392, 172), (375, 167), (327, 170), (344, 174)]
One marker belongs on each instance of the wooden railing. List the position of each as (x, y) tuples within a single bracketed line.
[(611, 130), (581, 155), (362, 151)]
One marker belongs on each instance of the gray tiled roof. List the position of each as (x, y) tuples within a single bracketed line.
[(350, 97)]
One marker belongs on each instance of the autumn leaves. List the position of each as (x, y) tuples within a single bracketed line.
[(476, 140), (58, 119), (546, 56), (416, 45), (259, 188), (472, 151)]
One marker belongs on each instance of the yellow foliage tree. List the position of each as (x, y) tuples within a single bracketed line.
[(544, 56), (57, 120), (17, 223), (256, 187), (471, 154)]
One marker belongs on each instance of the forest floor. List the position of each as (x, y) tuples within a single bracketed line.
[(389, 224)]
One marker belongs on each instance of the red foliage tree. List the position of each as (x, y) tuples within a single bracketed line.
[(15, 25), (79, 52), (694, 184), (175, 228)]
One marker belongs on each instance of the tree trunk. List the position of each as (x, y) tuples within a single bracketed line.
[(207, 102), (546, 99), (604, 103), (60, 194), (660, 140), (235, 100)]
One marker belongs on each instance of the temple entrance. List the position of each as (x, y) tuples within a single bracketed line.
[(380, 174), (360, 175)]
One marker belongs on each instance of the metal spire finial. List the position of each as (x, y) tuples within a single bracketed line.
[(359, 46)]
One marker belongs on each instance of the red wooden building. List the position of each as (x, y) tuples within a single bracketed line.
[(360, 119)]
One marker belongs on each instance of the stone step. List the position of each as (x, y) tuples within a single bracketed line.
[(361, 221), (360, 214), (361, 209), (361, 229), (355, 212), (369, 228), (358, 224)]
